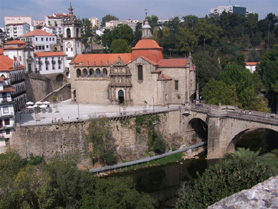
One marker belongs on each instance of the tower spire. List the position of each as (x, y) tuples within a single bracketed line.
[(146, 29), (70, 9)]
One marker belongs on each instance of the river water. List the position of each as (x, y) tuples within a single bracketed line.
[(164, 182)]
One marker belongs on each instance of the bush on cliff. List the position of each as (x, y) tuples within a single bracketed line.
[(231, 174)]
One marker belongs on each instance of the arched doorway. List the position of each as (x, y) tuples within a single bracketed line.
[(121, 97), (200, 128)]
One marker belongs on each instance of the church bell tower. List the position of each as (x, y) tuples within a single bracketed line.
[(71, 36)]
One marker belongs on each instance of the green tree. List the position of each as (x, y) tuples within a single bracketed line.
[(108, 18), (216, 92), (207, 68), (187, 41), (231, 174), (269, 74), (86, 32), (241, 78), (116, 193), (119, 46)]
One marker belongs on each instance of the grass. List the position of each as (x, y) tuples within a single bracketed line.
[(158, 162)]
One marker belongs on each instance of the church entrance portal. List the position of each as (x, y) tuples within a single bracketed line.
[(121, 96)]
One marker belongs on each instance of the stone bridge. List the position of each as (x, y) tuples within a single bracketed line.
[(225, 125)]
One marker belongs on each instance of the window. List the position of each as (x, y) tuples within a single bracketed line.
[(176, 85), (85, 73), (104, 72), (42, 47), (47, 46), (41, 39), (68, 34), (78, 73), (46, 39), (91, 72), (140, 72), (36, 39), (71, 49), (77, 32), (98, 72), (8, 131), (5, 110), (7, 121)]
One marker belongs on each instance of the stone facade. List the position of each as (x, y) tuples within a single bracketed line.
[(65, 139), (136, 78)]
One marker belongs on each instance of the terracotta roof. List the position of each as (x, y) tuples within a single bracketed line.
[(100, 59), (1, 51), (49, 54), (13, 47), (6, 64), (38, 32), (147, 44), (14, 42), (179, 62), (163, 77), (149, 49), (251, 63), (8, 89)]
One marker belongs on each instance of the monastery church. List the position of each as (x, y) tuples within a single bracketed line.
[(137, 78)]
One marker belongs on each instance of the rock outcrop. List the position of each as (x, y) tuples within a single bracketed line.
[(263, 195)]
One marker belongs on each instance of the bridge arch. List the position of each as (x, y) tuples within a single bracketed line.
[(259, 137), (200, 128)]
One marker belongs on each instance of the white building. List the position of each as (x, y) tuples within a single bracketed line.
[(72, 44), (114, 23), (23, 52), (251, 66), (229, 9), (95, 22), (6, 113), (54, 30), (16, 30), (55, 19), (50, 62), (14, 71), (40, 40), (18, 19)]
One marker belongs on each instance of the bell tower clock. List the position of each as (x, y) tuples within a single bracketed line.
[(71, 36)]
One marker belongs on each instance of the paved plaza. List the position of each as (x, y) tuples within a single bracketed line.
[(69, 111)]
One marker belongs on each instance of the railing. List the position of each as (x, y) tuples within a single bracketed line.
[(112, 167)]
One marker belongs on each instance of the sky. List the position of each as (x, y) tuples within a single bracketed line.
[(127, 9)]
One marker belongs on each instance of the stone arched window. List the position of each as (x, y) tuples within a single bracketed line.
[(85, 73), (104, 72), (78, 73), (68, 33), (140, 72), (77, 32), (91, 72), (98, 72)]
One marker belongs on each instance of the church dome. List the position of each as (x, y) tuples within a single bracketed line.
[(148, 48)]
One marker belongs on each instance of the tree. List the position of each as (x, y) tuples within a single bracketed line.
[(187, 41), (242, 79), (216, 92), (116, 193), (120, 46), (108, 18), (86, 32), (231, 174), (269, 74), (207, 68), (153, 21)]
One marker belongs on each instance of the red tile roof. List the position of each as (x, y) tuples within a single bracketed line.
[(100, 59), (163, 77), (251, 63), (6, 64), (49, 54), (38, 32), (14, 42), (8, 89), (1, 51), (179, 62), (149, 49)]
